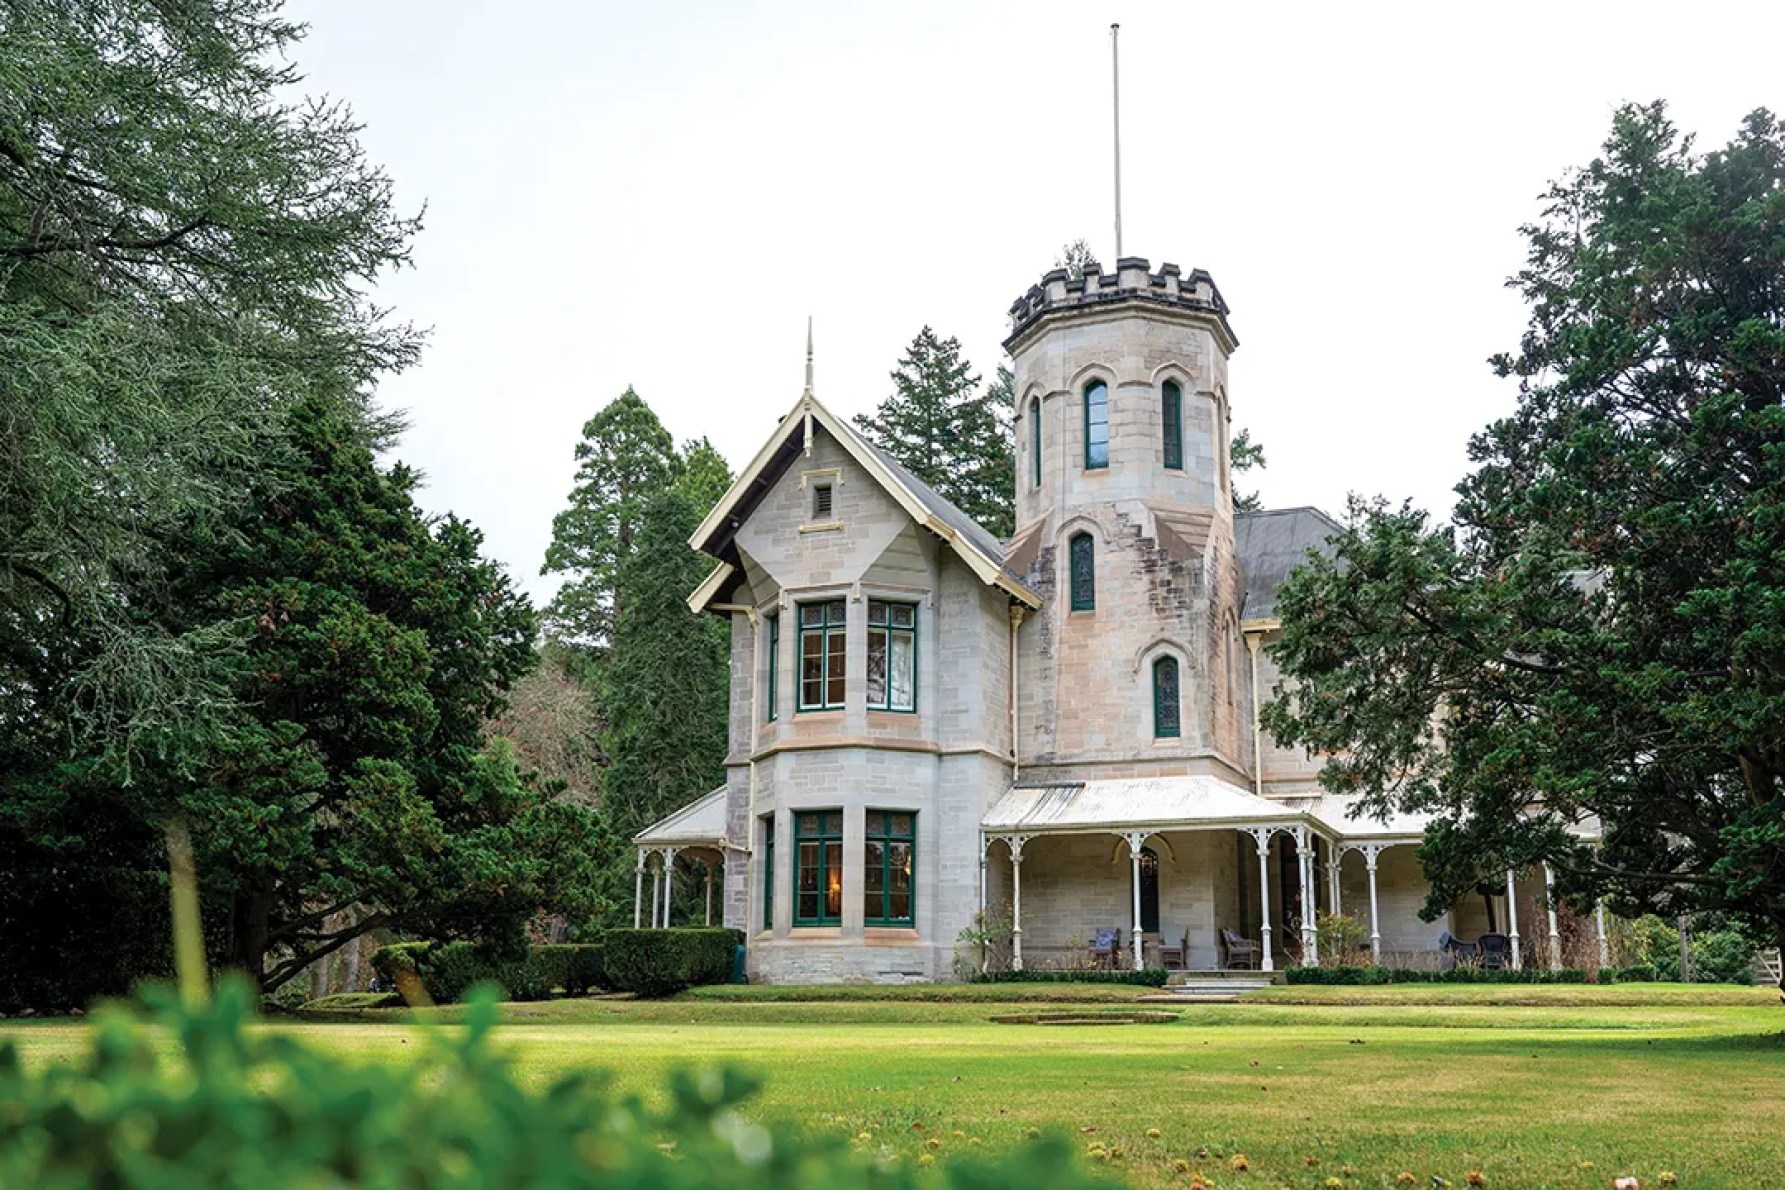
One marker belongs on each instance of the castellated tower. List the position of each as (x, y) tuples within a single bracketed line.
[(1134, 666)]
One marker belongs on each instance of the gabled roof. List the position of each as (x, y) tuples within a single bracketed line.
[(982, 552), (1272, 543), (701, 821)]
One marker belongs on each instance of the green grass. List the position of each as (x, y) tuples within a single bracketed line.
[(1524, 1084)]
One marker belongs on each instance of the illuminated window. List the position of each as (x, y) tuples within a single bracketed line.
[(818, 851)]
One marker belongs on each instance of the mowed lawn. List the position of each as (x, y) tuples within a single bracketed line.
[(1530, 1087)]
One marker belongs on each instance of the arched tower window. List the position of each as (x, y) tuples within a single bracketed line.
[(1165, 698), (1171, 413), (1035, 441), (1081, 554), (1096, 425)]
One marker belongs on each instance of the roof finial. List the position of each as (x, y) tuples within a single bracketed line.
[(808, 355)]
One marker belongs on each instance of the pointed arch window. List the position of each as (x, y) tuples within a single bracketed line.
[(1081, 554), (1035, 442), (1165, 699), (1096, 425), (1171, 411)]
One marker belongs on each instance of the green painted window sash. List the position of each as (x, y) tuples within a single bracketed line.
[(1096, 419), (1171, 405), (835, 643), (1081, 563), (768, 871), (774, 664), (1035, 442), (888, 634), (886, 837), (822, 839)]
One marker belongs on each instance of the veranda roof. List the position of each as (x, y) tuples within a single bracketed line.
[(1183, 802), (1334, 811), (698, 824)]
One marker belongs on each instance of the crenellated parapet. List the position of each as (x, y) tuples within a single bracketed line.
[(1059, 293)]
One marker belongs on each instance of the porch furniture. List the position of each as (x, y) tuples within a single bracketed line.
[(1454, 949), (1239, 954), (1174, 958), (1106, 944), (1496, 951)]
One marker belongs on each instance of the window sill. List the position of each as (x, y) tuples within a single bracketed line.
[(814, 933), (823, 527), (904, 712), (890, 935), (812, 712)]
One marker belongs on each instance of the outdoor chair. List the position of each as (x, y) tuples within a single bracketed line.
[(1240, 954), (1174, 958), (1106, 944), (1455, 949), (1496, 951)]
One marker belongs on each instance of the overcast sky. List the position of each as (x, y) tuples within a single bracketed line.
[(659, 194)]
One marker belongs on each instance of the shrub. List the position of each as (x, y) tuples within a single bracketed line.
[(450, 970), (1341, 939), (195, 1097), (1148, 977), (1723, 956), (1608, 975), (400, 960), (664, 962), (1382, 975), (1640, 973)]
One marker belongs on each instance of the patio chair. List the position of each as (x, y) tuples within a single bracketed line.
[(1174, 958), (1106, 944), (1496, 951), (1455, 949), (1240, 954)]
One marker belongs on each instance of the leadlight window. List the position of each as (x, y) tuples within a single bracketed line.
[(1035, 442), (1171, 409), (1081, 555), (892, 656), (1096, 425), (1165, 698), (774, 663), (768, 871), (823, 642), (890, 853), (818, 851)]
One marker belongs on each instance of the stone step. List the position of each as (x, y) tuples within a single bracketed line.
[(1237, 978)]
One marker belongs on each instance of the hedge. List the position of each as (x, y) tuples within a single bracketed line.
[(664, 962), (1147, 977), (1382, 975), (451, 969), (184, 1095)]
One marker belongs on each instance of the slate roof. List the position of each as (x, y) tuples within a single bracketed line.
[(1272, 543)]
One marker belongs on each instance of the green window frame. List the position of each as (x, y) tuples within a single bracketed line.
[(824, 642), (1035, 442), (818, 859), (892, 656), (774, 693), (1171, 411), (889, 877), (1081, 566), (1167, 697), (1096, 425), (768, 871)]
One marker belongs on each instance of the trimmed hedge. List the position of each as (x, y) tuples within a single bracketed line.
[(1147, 977), (449, 970), (663, 962), (1382, 975)]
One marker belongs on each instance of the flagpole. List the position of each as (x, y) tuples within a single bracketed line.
[(1115, 69)]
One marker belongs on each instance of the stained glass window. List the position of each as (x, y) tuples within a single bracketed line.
[(1081, 554), (1165, 698), (1171, 409)]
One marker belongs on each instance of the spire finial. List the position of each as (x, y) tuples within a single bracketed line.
[(808, 355)]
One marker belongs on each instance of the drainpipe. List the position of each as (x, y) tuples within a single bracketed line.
[(1017, 612), (1254, 641)]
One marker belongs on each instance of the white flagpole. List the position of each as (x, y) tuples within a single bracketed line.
[(1115, 66)]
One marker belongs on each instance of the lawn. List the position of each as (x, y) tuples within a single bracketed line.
[(1564, 1090)]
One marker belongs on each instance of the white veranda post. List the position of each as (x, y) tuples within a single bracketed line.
[(709, 913), (1015, 843), (638, 891), (1604, 947), (1135, 840), (1263, 839), (1371, 853), (669, 876), (1304, 846), (1332, 880), (1512, 920), (656, 889), (1555, 935)]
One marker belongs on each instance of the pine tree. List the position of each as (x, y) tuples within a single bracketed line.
[(1245, 455), (947, 432)]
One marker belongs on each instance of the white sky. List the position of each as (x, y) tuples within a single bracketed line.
[(659, 194)]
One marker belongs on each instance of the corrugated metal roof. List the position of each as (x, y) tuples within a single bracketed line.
[(1131, 802), (701, 821), (1335, 812), (1272, 543)]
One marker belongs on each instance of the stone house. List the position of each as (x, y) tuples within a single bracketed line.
[(1059, 731)]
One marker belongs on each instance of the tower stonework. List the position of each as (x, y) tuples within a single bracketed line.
[(1136, 351)]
